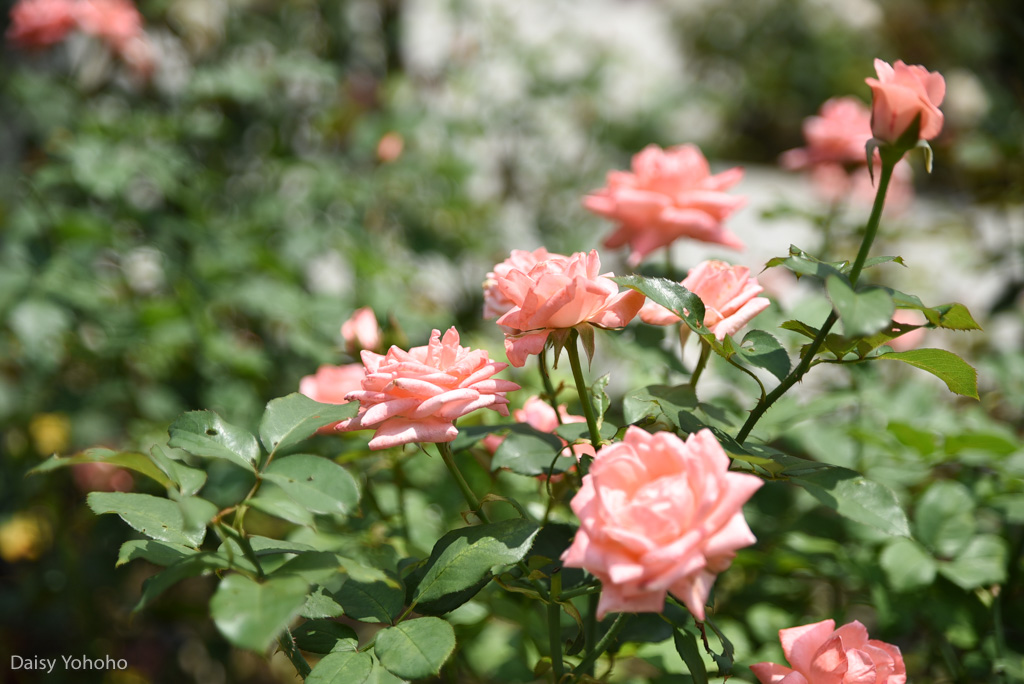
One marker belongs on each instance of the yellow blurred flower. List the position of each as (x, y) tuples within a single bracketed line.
[(25, 536), (51, 432)]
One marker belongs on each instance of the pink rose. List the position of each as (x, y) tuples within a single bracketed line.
[(556, 294), (331, 385), (539, 415), (834, 183), (40, 23), (117, 22), (729, 294), (820, 655), (361, 331), (670, 194), (101, 477), (495, 303), (912, 339), (658, 515), (899, 95), (837, 135), (416, 395)]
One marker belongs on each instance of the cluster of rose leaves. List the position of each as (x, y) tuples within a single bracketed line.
[(37, 24), (657, 514)]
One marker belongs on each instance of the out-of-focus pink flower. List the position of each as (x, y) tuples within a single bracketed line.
[(556, 294), (416, 395), (389, 147), (115, 21), (40, 23), (729, 294), (331, 385), (539, 415), (834, 183), (900, 94), (361, 331), (837, 135), (670, 194), (912, 339), (659, 515), (495, 303), (101, 477), (821, 654)]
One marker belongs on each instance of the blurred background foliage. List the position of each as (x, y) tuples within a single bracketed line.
[(195, 239)]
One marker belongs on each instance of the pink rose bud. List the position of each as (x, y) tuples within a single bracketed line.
[(669, 195), (417, 395), (729, 294), (659, 515), (556, 294), (40, 23), (495, 303), (900, 94), (331, 385), (361, 331), (539, 415), (821, 654)]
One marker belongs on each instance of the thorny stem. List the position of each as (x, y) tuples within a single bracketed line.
[(287, 643), (888, 163)]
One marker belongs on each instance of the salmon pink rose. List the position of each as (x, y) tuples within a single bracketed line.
[(670, 194), (900, 94), (331, 385), (416, 395), (837, 134), (821, 654), (361, 331), (559, 293), (729, 294), (40, 23), (117, 22), (659, 515), (539, 415), (495, 303)]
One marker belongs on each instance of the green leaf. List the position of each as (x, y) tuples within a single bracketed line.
[(250, 615), (190, 566), (686, 646), (379, 601), (807, 331), (320, 604), (670, 295), (131, 460), (907, 566), (982, 563), (205, 434), (875, 261), (153, 516), (761, 349), (528, 451), (273, 500), (951, 317), (571, 432), (157, 552), (322, 636), (291, 419), (598, 390), (188, 480), (855, 497), (344, 667), (464, 557), (862, 313), (415, 648), (958, 375), (319, 484), (658, 401), (800, 263), (944, 519)]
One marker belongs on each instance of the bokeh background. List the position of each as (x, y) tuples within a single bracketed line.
[(194, 237)]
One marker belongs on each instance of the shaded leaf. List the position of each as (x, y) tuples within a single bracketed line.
[(415, 648), (982, 563), (156, 552), (862, 313), (317, 483), (379, 601), (528, 451), (761, 349), (907, 565), (322, 636), (153, 516), (345, 667), (250, 615), (686, 646)]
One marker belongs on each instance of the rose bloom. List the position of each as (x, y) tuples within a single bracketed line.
[(834, 183), (117, 22), (361, 331), (729, 294), (331, 385), (820, 655), (837, 134), (539, 415), (899, 95), (416, 395), (659, 515), (670, 194), (556, 294), (495, 303), (40, 23)]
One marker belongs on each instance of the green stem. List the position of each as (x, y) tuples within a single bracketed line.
[(581, 591), (545, 377), (445, 450), (590, 627), (287, 643), (582, 390), (705, 354), (888, 163), (613, 631), (555, 627)]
